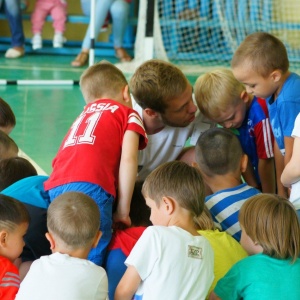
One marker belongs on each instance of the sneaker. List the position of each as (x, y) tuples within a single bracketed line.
[(58, 40), (36, 42), (15, 52)]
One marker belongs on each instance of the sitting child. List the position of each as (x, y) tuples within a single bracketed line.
[(225, 101), (73, 229), (171, 260), (14, 220), (221, 160), (227, 251), (270, 235)]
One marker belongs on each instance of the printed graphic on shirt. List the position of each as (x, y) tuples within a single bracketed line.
[(194, 252)]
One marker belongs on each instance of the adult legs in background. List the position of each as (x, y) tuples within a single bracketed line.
[(101, 10), (119, 11), (13, 13)]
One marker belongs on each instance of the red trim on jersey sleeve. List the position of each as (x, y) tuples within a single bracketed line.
[(264, 139)]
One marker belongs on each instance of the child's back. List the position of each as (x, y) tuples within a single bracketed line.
[(271, 237), (221, 161)]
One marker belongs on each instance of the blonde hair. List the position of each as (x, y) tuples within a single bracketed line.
[(206, 221), (264, 52), (74, 218), (180, 181), (272, 222), (155, 83), (101, 80), (217, 90)]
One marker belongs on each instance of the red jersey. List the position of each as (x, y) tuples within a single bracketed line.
[(9, 279), (91, 150)]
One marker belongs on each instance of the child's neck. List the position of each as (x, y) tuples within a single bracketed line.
[(78, 253), (223, 182)]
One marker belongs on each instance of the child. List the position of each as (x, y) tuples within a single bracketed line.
[(100, 151), (227, 251), (170, 260), (221, 161), (261, 64), (14, 220), (270, 235), (73, 221), (124, 240), (7, 117), (58, 11), (290, 176), (224, 100), (8, 147)]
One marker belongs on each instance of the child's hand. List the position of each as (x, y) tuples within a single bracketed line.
[(121, 220)]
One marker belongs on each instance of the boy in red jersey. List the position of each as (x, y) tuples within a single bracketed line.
[(99, 154)]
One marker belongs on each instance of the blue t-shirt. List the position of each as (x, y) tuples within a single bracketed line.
[(225, 205), (284, 110), (261, 277)]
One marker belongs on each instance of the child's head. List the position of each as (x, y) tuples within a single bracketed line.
[(7, 117), (73, 220), (178, 181), (271, 223), (221, 98), (14, 221), (259, 63), (8, 147), (14, 169), (219, 152), (103, 80)]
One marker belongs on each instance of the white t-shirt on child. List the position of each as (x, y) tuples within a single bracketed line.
[(172, 263)]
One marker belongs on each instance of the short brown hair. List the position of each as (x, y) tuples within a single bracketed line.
[(14, 169), (74, 218), (157, 82), (272, 222), (12, 213), (101, 80), (218, 152), (7, 116), (264, 52), (8, 147), (217, 90), (180, 181)]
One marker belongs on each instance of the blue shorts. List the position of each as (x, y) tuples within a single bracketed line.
[(104, 201)]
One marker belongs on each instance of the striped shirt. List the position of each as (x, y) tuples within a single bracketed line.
[(225, 205)]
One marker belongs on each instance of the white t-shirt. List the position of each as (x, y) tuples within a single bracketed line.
[(167, 144), (173, 264), (295, 191), (61, 277)]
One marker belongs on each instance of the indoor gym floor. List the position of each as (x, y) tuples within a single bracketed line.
[(43, 113)]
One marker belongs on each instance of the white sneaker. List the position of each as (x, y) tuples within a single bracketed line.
[(36, 42), (58, 40)]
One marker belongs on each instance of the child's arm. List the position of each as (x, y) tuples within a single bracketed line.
[(127, 176), (266, 171), (128, 284), (279, 166), (291, 172), (288, 148)]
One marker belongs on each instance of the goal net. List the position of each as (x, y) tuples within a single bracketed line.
[(201, 34)]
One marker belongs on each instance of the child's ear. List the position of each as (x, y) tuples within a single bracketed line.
[(51, 240), (245, 96), (276, 75), (169, 205), (244, 162), (126, 94), (3, 238), (97, 238)]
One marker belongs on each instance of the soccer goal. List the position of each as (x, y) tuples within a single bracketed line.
[(197, 34)]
